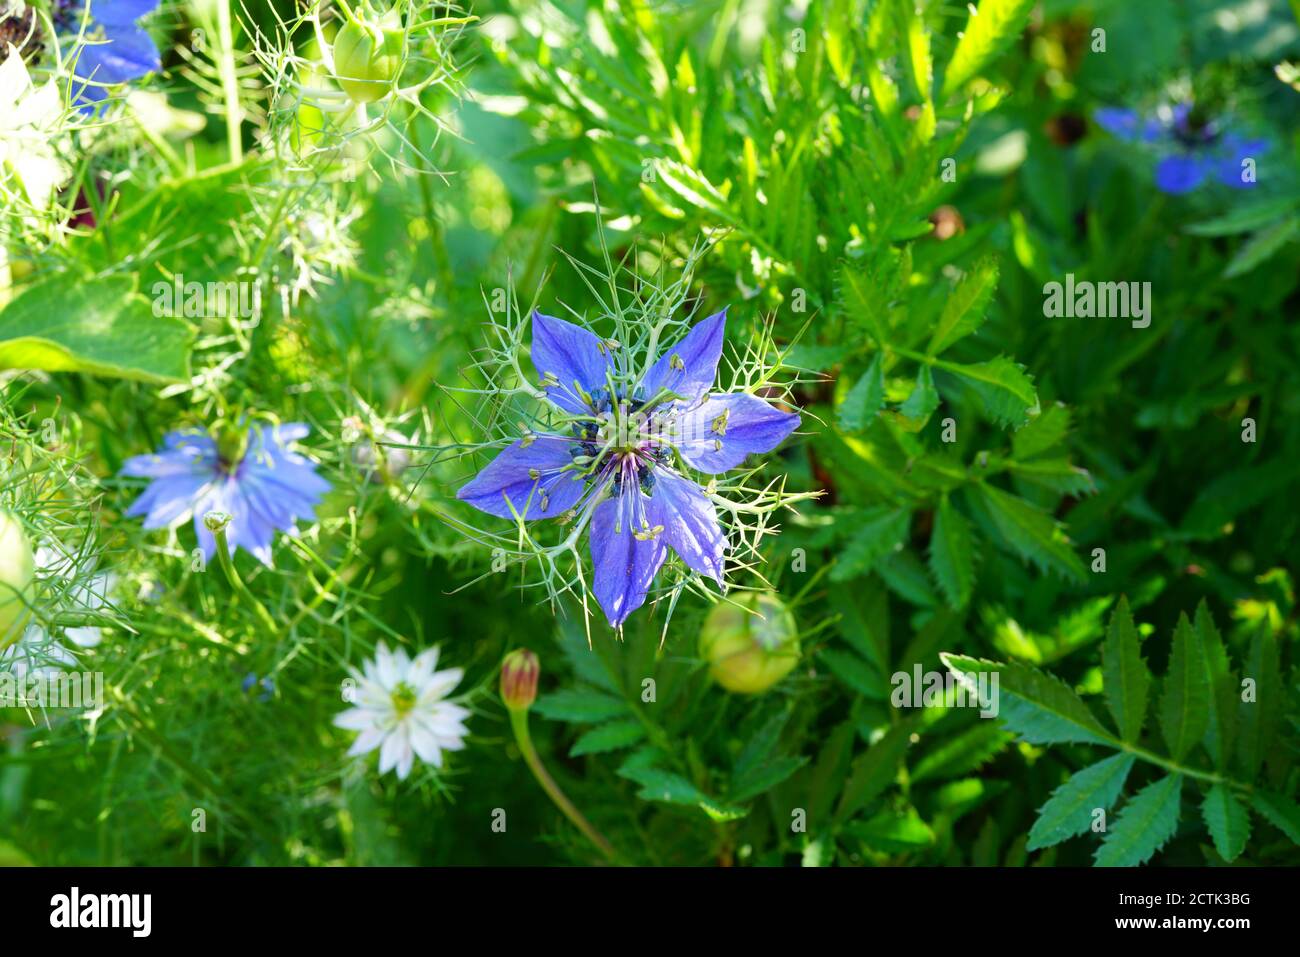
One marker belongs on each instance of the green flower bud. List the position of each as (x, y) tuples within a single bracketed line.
[(750, 645), (17, 566), (519, 673), (368, 55)]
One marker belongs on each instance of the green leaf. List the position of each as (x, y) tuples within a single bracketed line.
[(965, 308), (1280, 811), (580, 705), (1124, 671), (864, 621), (1143, 825), (1186, 700), (764, 777), (609, 737), (1257, 719), (961, 754), (1221, 717), (892, 832), (856, 673), (903, 572), (1227, 820), (1031, 533), (874, 770), (865, 399), (1069, 811), (1004, 388), (1038, 706), (1262, 246), (864, 296), (1043, 431), (99, 327), (952, 554), (990, 29), (880, 531), (924, 398)]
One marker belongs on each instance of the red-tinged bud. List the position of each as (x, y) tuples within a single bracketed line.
[(519, 673)]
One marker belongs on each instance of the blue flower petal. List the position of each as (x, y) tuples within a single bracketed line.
[(118, 12), (1121, 123), (1182, 172), (127, 53), (724, 430), (625, 564), (690, 523), (689, 367), (1229, 170), (532, 477), (168, 499), (575, 357)]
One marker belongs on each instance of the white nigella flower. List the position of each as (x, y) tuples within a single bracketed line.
[(29, 120), (39, 648), (400, 708)]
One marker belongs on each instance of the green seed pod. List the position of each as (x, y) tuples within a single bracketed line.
[(17, 566), (368, 55), (750, 645)]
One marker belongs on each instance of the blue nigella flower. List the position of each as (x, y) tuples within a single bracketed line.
[(623, 464), (117, 48), (252, 476), (1192, 148)]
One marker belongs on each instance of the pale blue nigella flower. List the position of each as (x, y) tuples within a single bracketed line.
[(1191, 148), (253, 477), (622, 465), (116, 49)]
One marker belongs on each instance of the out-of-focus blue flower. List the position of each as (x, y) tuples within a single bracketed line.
[(1191, 149), (117, 48), (260, 483), (265, 686), (621, 465)]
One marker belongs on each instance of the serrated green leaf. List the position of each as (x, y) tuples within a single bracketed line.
[(1280, 811), (1026, 530), (580, 705), (990, 29), (1043, 431), (865, 399), (961, 754), (920, 405), (1069, 811), (1221, 717), (879, 532), (1184, 705), (1227, 820), (903, 572), (1004, 388), (952, 554), (609, 737), (965, 308), (99, 327), (1127, 681), (1257, 719), (1143, 825), (1038, 706), (874, 770)]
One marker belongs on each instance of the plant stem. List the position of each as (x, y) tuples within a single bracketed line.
[(237, 583), (230, 82), (519, 722)]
